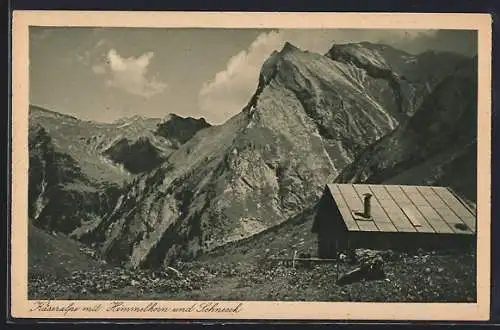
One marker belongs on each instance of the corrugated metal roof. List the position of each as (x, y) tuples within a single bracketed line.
[(404, 208)]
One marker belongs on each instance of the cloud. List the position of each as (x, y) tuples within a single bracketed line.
[(91, 52), (230, 89), (227, 92), (129, 74), (98, 69)]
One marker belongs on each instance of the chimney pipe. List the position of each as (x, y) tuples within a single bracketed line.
[(367, 211)]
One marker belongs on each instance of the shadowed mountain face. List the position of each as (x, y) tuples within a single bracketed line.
[(136, 157), (61, 196), (191, 187), (180, 129), (436, 146)]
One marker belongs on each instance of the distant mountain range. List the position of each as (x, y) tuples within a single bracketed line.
[(147, 191), (78, 168)]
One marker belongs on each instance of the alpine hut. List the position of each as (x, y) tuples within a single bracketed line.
[(354, 216)]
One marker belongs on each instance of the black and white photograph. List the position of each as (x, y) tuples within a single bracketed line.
[(252, 164)]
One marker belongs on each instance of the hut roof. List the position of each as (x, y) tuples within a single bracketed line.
[(404, 208)]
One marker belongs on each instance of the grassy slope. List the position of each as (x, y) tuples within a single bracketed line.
[(61, 268), (238, 272), (56, 254), (52, 258), (417, 278)]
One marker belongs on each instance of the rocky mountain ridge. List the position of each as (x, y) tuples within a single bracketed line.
[(410, 78), (310, 117), (437, 146)]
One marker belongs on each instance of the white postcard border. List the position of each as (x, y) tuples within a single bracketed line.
[(22, 308)]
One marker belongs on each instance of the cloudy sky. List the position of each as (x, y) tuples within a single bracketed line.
[(103, 74)]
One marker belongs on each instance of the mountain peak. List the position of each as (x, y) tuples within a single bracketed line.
[(269, 66), (171, 116), (180, 129), (176, 117), (288, 47), (129, 119)]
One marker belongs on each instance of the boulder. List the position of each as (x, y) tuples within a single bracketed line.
[(369, 269)]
